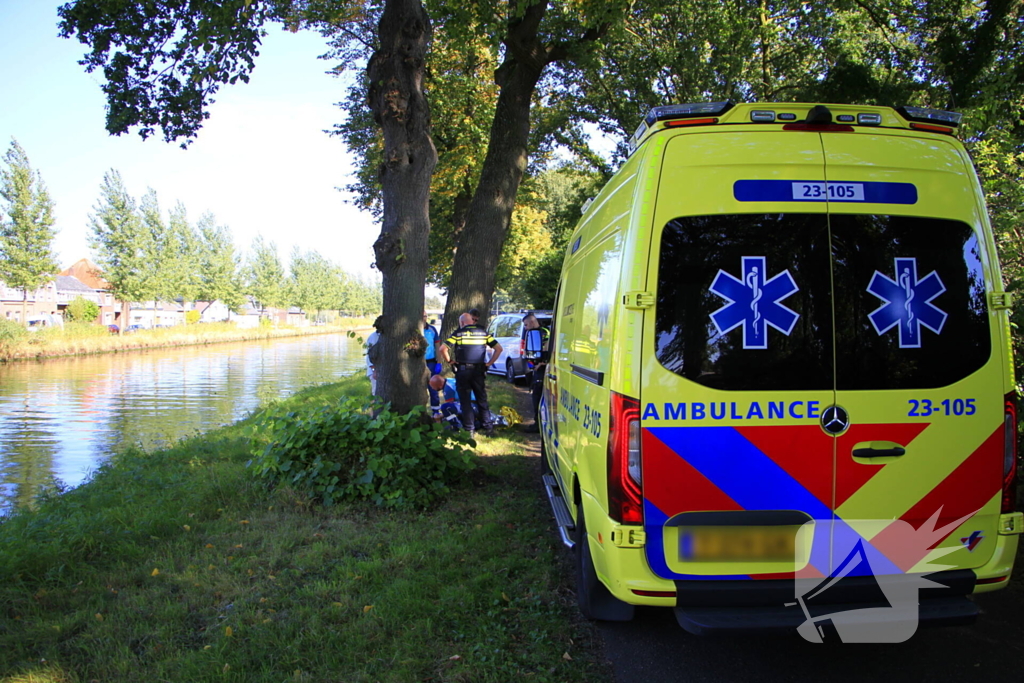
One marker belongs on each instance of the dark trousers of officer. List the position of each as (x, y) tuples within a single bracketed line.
[(537, 389), (435, 401), (470, 379)]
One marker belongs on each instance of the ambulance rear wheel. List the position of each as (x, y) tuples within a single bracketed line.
[(510, 371), (594, 598)]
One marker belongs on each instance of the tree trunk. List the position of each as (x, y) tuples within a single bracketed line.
[(396, 73), (482, 239)]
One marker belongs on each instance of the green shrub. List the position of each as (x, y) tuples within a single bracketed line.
[(11, 332), (82, 310), (342, 453)]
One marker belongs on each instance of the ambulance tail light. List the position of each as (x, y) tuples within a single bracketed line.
[(1009, 453), (625, 500)]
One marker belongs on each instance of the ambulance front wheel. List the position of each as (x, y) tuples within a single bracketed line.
[(594, 598)]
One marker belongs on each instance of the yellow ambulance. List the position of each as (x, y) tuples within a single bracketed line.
[(781, 355)]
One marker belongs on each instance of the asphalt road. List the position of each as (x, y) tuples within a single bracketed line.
[(654, 649)]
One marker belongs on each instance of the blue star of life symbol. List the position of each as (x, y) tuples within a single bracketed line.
[(907, 303), (754, 302)]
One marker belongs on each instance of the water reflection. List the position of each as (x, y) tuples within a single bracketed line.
[(61, 418)]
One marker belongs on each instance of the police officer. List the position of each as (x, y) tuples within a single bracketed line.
[(469, 344), (538, 365)]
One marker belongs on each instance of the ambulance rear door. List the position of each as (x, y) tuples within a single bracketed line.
[(738, 360), (919, 410)]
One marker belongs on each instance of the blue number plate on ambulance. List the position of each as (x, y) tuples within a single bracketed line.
[(737, 544), (824, 191)]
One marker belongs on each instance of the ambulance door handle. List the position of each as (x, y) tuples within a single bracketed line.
[(878, 449)]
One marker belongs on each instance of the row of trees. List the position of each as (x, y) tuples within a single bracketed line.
[(514, 84), (148, 258)]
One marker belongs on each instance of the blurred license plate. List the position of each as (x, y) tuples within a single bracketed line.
[(737, 544)]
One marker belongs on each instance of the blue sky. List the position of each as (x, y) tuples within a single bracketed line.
[(262, 163)]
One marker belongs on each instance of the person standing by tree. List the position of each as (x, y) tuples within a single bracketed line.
[(469, 344), (26, 252), (538, 365), (430, 357), (373, 354)]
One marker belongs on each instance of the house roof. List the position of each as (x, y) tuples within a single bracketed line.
[(69, 283), (88, 273)]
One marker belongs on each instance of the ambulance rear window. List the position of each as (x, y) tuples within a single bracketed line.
[(744, 301), (911, 310)]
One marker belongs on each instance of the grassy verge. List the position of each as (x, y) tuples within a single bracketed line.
[(175, 565), (79, 339)]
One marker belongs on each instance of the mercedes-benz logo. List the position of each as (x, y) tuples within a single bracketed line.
[(835, 420)]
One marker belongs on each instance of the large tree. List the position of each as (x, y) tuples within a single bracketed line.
[(312, 281), (487, 74), (164, 60), (27, 261), (264, 275), (219, 277), (122, 244), (395, 74), (180, 258)]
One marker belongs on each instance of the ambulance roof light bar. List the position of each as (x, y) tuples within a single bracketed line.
[(947, 118), (677, 111)]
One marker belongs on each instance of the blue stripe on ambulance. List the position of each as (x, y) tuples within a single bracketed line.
[(763, 486)]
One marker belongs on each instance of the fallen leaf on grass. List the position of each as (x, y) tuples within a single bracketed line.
[(455, 658), (99, 617), (186, 527), (505, 597), (228, 633), (154, 572), (566, 657), (367, 609)]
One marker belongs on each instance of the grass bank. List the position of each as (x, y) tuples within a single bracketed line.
[(175, 565), (79, 339)]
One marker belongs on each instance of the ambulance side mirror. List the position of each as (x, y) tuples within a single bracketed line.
[(534, 345)]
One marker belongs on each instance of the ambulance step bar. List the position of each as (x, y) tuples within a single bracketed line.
[(562, 516)]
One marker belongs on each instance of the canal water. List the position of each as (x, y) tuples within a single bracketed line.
[(62, 418)]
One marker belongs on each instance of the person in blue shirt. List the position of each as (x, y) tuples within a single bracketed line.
[(450, 409), (430, 356)]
